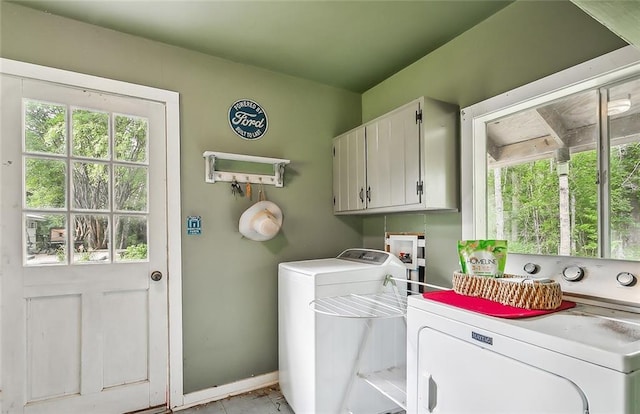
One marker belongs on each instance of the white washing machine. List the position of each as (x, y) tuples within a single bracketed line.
[(580, 360), (318, 353)]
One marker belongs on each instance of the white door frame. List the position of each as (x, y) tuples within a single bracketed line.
[(171, 101)]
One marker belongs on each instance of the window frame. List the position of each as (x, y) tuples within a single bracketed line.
[(602, 71)]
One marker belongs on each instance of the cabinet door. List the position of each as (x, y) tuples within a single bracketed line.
[(349, 171), (393, 158)]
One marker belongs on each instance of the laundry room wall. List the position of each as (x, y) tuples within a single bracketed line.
[(230, 312), (229, 283), (523, 42)]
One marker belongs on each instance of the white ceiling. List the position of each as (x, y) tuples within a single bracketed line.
[(349, 44)]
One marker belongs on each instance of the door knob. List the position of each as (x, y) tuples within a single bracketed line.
[(156, 275)]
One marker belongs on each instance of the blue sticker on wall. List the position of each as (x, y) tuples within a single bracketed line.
[(248, 119), (194, 225)]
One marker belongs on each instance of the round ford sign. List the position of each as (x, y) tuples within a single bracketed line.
[(248, 119)]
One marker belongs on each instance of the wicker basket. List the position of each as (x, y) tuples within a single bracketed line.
[(520, 295)]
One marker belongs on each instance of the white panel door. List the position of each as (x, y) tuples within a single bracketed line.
[(83, 226)]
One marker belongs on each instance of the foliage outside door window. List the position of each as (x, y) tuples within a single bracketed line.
[(86, 177)]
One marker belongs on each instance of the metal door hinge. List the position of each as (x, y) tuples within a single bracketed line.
[(418, 116), (419, 187)]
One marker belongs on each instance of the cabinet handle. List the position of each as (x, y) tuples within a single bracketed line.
[(369, 194), (362, 194)]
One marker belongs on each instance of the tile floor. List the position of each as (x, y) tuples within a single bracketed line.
[(263, 401)]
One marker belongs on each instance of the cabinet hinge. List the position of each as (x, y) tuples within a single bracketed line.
[(419, 187), (418, 116), (334, 151)]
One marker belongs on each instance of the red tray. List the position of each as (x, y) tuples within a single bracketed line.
[(489, 307)]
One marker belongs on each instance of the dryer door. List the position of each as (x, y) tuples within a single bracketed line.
[(456, 376)]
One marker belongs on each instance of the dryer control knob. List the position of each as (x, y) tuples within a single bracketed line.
[(531, 268), (573, 273), (626, 279)]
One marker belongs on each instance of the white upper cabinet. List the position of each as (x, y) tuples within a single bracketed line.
[(349, 171), (404, 160)]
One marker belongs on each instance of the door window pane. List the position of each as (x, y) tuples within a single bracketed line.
[(131, 238), (90, 134), (130, 188), (45, 240), (91, 238), (45, 127), (90, 186), (45, 183), (131, 138)]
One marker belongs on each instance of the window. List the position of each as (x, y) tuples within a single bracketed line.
[(558, 174), (85, 171)]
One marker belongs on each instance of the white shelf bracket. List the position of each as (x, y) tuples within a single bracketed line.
[(213, 175)]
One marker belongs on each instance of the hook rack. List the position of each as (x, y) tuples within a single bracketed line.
[(212, 175)]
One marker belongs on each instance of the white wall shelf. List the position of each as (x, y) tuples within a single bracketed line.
[(213, 175)]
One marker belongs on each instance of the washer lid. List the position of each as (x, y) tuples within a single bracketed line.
[(316, 267)]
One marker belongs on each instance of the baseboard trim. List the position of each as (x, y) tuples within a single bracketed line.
[(228, 390)]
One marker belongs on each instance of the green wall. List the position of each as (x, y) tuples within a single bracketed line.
[(230, 283), (521, 43)]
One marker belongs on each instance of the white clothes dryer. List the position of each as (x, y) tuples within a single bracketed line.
[(582, 360), (318, 353)]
